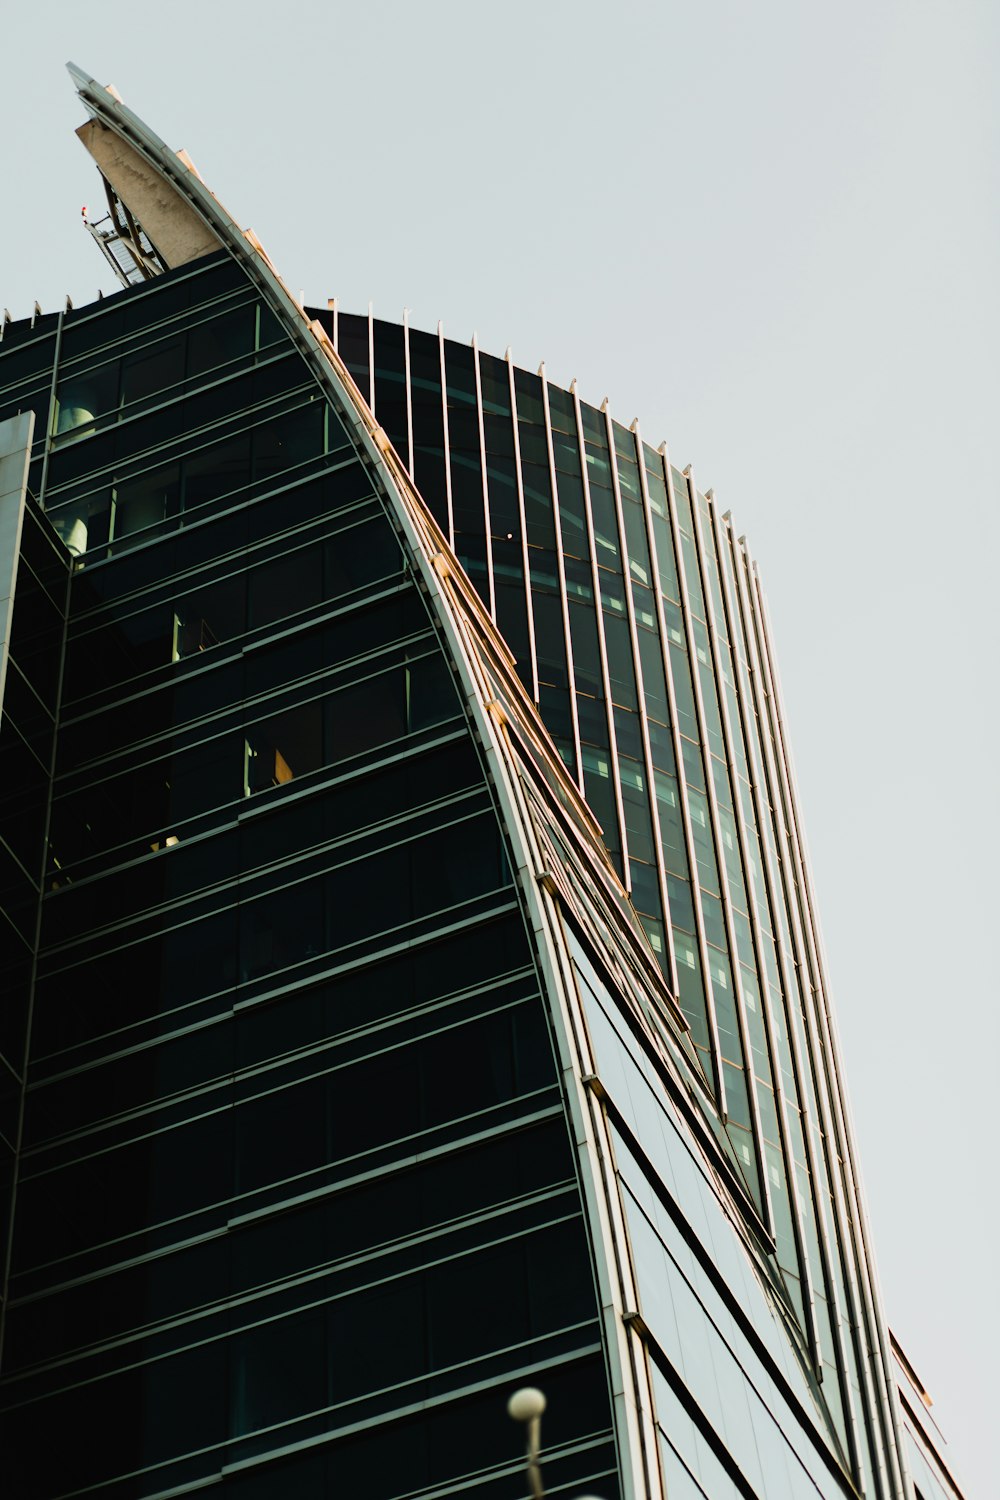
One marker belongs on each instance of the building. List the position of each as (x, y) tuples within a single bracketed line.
[(413, 987)]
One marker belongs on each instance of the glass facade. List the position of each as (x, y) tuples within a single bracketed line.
[(293, 1162), (416, 987), (650, 608)]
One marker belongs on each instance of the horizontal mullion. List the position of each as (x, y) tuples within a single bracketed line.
[(194, 522), (244, 888), (238, 563), (193, 1223), (324, 616), (532, 1347), (274, 987), (149, 333), (239, 811), (308, 1063), (184, 446), (192, 385), (282, 1206), (411, 927), (529, 1207)]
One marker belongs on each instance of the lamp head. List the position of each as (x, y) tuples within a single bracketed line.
[(526, 1404)]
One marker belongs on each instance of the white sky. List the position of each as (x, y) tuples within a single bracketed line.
[(770, 231)]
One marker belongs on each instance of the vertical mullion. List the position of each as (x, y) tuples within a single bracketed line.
[(671, 707), (564, 596), (447, 444), (754, 915), (789, 984), (812, 1043), (742, 836), (487, 523), (409, 389), (740, 999), (57, 352), (525, 562), (815, 1010), (601, 643), (332, 307), (647, 753), (675, 735), (699, 915), (371, 359)]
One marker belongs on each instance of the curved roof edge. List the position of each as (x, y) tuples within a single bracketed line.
[(171, 226)]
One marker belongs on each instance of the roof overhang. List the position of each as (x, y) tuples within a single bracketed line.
[(156, 215)]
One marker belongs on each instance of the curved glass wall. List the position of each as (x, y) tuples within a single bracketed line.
[(639, 592)]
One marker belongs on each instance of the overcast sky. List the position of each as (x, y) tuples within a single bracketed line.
[(771, 232)]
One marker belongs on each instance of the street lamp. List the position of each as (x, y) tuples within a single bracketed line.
[(526, 1405)]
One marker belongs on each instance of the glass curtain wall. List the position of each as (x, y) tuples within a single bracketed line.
[(296, 1201), (642, 643)]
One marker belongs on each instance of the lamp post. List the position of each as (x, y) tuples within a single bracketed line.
[(526, 1405)]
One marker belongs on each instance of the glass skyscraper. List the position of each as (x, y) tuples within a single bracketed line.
[(412, 983)]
